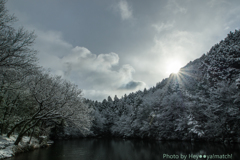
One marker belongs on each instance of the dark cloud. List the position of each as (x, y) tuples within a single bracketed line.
[(132, 85)]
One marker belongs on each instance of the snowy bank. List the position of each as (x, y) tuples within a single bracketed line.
[(8, 149)]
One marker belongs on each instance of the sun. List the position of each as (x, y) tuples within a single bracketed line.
[(173, 67)]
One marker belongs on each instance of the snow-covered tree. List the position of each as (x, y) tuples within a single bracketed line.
[(54, 99), (15, 51)]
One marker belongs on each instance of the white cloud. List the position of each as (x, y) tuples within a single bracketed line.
[(163, 26), (127, 70), (91, 72), (124, 9)]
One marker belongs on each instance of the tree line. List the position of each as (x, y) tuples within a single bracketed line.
[(201, 102)]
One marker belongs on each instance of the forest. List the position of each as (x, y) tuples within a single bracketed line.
[(201, 102)]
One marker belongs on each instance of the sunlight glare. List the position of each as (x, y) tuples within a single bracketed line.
[(173, 67)]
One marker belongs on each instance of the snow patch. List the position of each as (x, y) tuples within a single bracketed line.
[(8, 149)]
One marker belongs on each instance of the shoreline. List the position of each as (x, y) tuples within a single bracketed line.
[(8, 149)]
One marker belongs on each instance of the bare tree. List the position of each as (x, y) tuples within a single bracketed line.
[(17, 63), (15, 51), (54, 99)]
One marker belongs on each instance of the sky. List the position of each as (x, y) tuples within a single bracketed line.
[(115, 47)]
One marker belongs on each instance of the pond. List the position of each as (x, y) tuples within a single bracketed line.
[(119, 149)]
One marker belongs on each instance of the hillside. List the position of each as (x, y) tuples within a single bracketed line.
[(201, 102)]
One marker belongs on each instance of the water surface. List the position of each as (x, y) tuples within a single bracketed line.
[(118, 149)]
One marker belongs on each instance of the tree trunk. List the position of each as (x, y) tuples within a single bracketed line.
[(4, 118), (23, 131), (12, 130), (31, 135), (19, 138)]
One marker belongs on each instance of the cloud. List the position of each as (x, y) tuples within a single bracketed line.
[(124, 9), (163, 26), (133, 85), (127, 70), (124, 55), (175, 7), (94, 73)]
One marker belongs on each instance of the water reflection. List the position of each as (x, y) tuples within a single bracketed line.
[(118, 149)]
